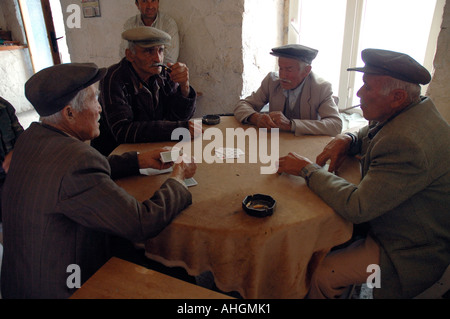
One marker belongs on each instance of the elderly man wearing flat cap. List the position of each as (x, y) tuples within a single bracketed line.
[(299, 100), (60, 203), (144, 100), (404, 193)]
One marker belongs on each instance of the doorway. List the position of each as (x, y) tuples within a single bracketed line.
[(44, 28)]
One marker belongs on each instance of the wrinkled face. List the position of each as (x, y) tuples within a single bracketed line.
[(148, 8), (291, 73), (86, 124), (144, 60), (375, 105)]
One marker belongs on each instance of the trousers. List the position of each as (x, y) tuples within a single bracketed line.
[(342, 268)]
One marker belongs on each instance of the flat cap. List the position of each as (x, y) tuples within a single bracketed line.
[(147, 37), (51, 89), (295, 51), (394, 64)]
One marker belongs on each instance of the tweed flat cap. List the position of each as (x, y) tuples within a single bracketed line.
[(394, 64), (295, 51), (51, 89), (147, 37)]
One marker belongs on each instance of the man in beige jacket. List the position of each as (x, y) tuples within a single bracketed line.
[(299, 100)]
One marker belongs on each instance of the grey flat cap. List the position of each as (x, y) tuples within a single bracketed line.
[(147, 37), (296, 51), (394, 64), (51, 89)]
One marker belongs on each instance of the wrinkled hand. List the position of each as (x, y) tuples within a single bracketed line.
[(335, 151), (262, 120), (184, 167), (292, 164), (195, 128), (152, 159), (180, 75), (280, 120)]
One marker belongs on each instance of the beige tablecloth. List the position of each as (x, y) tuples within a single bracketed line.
[(271, 257)]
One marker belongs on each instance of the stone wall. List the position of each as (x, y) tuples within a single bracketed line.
[(439, 88)]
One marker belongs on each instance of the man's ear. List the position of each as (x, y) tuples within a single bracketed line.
[(129, 55), (399, 97), (307, 70), (67, 113)]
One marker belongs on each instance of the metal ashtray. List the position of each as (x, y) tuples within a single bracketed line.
[(259, 205), (211, 119)]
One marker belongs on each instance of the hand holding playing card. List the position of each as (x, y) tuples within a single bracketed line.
[(184, 168), (151, 159)]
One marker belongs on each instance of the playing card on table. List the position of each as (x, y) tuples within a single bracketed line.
[(229, 153)]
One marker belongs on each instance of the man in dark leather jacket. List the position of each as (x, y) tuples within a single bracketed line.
[(143, 100)]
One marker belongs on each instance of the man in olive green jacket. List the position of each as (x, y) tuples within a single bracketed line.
[(404, 193)]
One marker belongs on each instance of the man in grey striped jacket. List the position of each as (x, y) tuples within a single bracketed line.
[(60, 201)]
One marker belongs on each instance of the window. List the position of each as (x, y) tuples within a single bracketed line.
[(341, 29)]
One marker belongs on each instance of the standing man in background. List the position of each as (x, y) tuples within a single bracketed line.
[(150, 16)]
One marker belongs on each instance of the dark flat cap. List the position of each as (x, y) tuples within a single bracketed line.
[(51, 89), (147, 37), (295, 51), (394, 64)]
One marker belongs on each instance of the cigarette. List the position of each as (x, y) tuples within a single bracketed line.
[(351, 107)]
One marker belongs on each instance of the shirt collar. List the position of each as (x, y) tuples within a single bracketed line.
[(294, 92)]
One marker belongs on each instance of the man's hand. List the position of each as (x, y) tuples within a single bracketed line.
[(292, 164), (184, 167), (336, 151), (262, 120), (152, 159), (180, 75), (280, 120)]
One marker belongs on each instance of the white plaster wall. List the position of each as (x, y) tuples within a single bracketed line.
[(211, 46), (15, 65), (262, 30), (439, 88), (15, 68), (98, 39)]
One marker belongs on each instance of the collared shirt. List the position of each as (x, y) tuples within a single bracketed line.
[(292, 96)]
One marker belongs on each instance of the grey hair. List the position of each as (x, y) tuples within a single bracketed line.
[(303, 65), (391, 84), (132, 47), (77, 104)]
